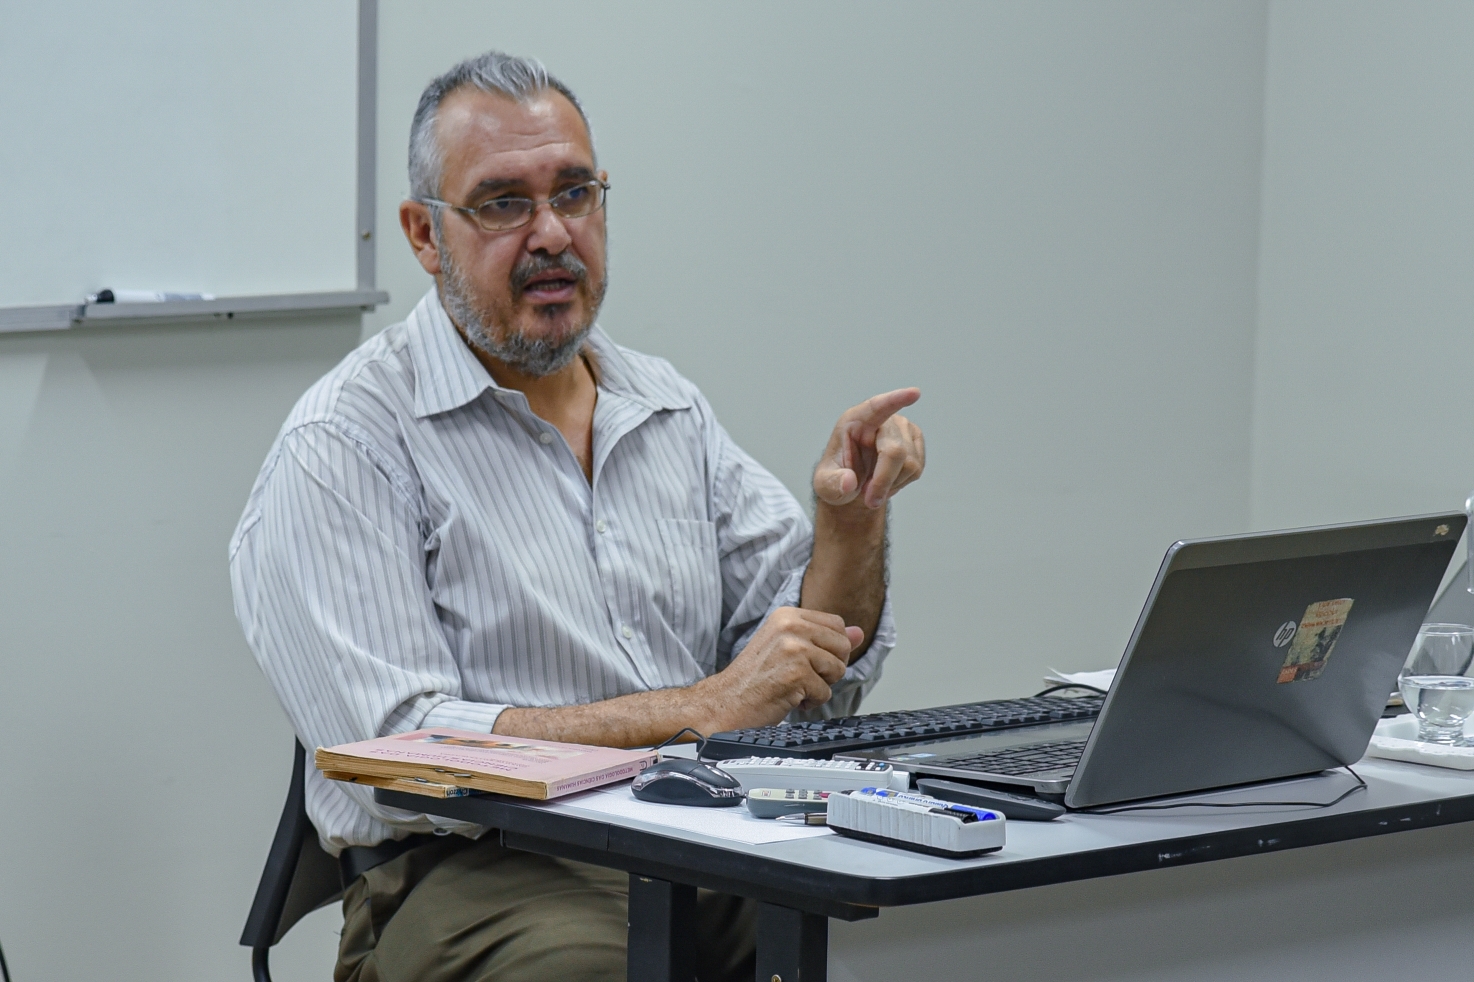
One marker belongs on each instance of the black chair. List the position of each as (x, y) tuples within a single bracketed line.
[(298, 879)]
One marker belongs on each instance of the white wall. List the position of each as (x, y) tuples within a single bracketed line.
[(144, 758), (1044, 215), (1344, 912), (1363, 373)]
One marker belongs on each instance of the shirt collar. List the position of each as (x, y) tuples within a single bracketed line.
[(619, 376), (448, 376)]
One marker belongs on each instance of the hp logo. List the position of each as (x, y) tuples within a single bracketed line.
[(1284, 634)]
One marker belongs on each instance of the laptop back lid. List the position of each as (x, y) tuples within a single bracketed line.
[(1263, 656)]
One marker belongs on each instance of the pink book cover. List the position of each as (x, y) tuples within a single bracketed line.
[(491, 762)]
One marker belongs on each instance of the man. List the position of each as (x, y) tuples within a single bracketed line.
[(494, 518)]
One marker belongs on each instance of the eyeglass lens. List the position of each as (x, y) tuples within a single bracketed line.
[(576, 202)]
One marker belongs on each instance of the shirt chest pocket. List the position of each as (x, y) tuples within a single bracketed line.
[(694, 585)]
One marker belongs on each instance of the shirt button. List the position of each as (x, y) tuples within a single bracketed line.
[(600, 527), (545, 437), (627, 631)]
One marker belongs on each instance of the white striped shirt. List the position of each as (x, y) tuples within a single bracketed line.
[(421, 550)]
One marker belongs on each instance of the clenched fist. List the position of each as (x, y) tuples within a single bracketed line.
[(790, 663)]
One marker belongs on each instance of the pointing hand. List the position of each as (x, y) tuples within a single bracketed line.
[(872, 453)]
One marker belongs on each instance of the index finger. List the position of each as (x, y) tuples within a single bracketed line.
[(874, 411)]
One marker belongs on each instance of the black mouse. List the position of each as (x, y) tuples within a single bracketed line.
[(682, 781)]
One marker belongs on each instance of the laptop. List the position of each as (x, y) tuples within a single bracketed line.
[(1256, 657)]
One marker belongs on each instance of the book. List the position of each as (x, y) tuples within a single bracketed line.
[(415, 785), (518, 766)]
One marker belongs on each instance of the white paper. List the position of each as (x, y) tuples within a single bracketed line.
[(735, 822), (1100, 680)]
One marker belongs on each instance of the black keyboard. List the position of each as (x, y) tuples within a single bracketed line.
[(1033, 758), (825, 738)]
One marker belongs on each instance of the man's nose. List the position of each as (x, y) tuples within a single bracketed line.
[(548, 231)]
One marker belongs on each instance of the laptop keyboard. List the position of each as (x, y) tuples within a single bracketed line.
[(1019, 761)]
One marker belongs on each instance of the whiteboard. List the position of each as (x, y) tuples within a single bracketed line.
[(176, 145)]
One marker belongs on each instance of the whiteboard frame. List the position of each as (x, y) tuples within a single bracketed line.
[(62, 317)]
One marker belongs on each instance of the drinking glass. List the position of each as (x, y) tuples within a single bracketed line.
[(1434, 684)]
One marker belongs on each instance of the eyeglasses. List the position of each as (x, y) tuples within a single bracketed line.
[(505, 214)]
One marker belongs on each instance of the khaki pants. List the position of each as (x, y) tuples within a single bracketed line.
[(463, 911)]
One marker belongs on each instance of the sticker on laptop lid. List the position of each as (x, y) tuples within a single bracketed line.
[(1314, 640)]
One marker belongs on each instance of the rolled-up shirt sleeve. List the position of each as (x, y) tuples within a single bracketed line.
[(764, 542), (331, 591)]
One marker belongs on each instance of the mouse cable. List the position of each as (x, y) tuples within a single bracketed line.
[(4, 969), (1360, 785), (1069, 685), (700, 740)]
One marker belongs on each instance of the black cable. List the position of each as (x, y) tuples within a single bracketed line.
[(1358, 786), (700, 740), (1069, 685), (4, 969)]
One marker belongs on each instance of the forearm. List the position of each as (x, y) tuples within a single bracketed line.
[(790, 662), (641, 719), (846, 573)]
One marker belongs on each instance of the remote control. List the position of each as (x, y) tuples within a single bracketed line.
[(776, 802), (815, 775), (1015, 807)]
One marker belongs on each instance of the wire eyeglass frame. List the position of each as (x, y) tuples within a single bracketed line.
[(562, 205)]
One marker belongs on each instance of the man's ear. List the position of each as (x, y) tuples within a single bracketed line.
[(414, 218)]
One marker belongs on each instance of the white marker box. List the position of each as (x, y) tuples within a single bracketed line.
[(917, 822)]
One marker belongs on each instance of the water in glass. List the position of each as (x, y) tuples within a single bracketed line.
[(1434, 685), (1442, 703)]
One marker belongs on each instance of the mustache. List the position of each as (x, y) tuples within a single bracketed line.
[(537, 263)]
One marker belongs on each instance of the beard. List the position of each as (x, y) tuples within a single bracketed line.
[(489, 329)]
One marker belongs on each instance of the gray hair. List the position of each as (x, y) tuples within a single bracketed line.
[(494, 72)]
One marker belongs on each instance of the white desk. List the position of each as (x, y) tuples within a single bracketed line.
[(802, 883)]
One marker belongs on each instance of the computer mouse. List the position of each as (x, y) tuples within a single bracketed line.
[(682, 781)]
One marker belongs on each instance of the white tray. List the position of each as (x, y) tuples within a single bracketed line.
[(1397, 739)]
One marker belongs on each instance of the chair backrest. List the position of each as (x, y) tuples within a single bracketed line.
[(299, 877)]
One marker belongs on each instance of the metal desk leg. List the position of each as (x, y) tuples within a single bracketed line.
[(792, 946), (662, 938)]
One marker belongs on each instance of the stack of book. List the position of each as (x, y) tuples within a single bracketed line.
[(447, 763)]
